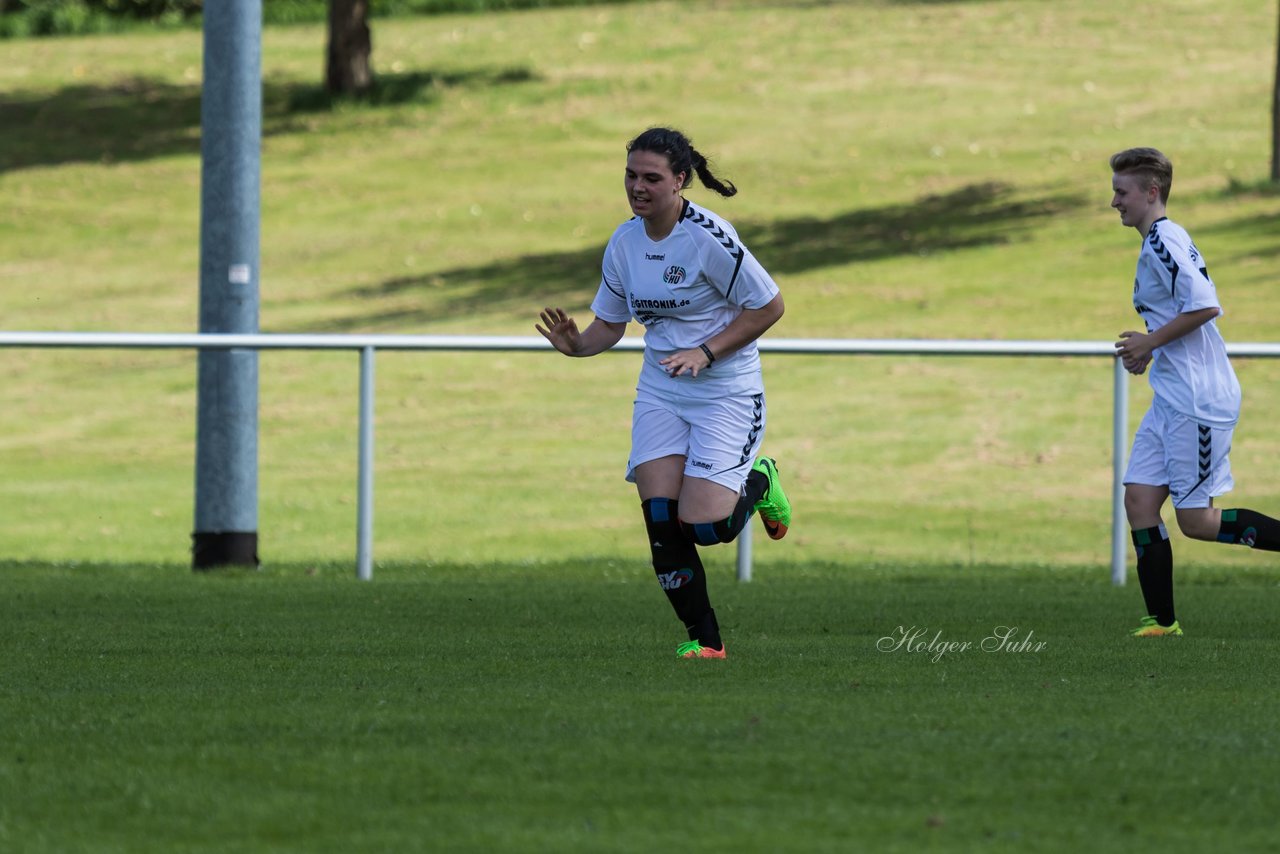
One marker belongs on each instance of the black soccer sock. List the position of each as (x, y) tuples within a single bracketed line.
[(679, 570), (727, 530), (1155, 572), (1250, 529), (707, 631)]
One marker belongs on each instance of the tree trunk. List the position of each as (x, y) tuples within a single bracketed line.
[(348, 70), (1275, 117)]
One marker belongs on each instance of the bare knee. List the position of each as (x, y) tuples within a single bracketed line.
[(1142, 505), (1200, 523), (703, 500)]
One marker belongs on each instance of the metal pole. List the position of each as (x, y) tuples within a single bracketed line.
[(744, 553), (226, 499), (1119, 452), (364, 476)]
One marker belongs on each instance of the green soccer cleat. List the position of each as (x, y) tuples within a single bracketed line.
[(693, 649), (773, 507), (1151, 629)]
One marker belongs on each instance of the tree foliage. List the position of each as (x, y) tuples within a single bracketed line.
[(142, 10), (19, 18)]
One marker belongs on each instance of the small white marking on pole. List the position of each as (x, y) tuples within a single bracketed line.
[(238, 274)]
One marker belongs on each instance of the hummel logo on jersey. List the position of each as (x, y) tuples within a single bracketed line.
[(674, 275), (649, 257), (674, 580)]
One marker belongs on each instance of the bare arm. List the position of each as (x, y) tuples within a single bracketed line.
[(745, 328), (562, 332), (1135, 348)]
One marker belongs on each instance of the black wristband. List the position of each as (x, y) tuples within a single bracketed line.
[(711, 359)]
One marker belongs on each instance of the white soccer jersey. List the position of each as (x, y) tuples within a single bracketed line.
[(1193, 373), (685, 289)]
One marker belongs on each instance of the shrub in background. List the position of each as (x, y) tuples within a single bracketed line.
[(25, 18)]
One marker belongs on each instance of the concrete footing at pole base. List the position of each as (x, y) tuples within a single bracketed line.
[(210, 550)]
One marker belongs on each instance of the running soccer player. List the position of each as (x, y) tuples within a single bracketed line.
[(1181, 446), (699, 413)]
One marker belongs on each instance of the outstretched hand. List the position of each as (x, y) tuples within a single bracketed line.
[(562, 331)]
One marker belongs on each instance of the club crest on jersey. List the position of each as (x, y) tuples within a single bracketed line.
[(674, 275)]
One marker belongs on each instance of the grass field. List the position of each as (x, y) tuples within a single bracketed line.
[(907, 170), (962, 196), (535, 709)]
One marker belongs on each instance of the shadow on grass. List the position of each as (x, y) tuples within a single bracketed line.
[(976, 215), (1261, 188), (820, 4), (141, 118), (1254, 228), (395, 89)]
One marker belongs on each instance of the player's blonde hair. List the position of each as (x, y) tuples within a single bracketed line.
[(1147, 164)]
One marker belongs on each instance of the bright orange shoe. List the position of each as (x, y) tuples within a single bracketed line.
[(693, 649)]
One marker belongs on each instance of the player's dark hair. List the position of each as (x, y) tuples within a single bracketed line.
[(681, 157), (1148, 164)]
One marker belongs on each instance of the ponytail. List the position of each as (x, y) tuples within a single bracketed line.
[(681, 157), (710, 181)]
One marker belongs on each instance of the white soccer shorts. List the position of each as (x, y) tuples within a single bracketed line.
[(1191, 459), (718, 437)]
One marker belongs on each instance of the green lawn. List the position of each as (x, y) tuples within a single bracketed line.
[(915, 170), (907, 170), (538, 708)]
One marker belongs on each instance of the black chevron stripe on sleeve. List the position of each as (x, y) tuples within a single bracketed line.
[(736, 252)]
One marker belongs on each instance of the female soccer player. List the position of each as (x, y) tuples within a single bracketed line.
[(699, 414), (1181, 446)]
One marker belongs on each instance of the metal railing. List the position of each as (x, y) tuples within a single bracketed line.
[(367, 345)]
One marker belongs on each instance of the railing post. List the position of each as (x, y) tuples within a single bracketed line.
[(1119, 451), (364, 475), (744, 553)]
